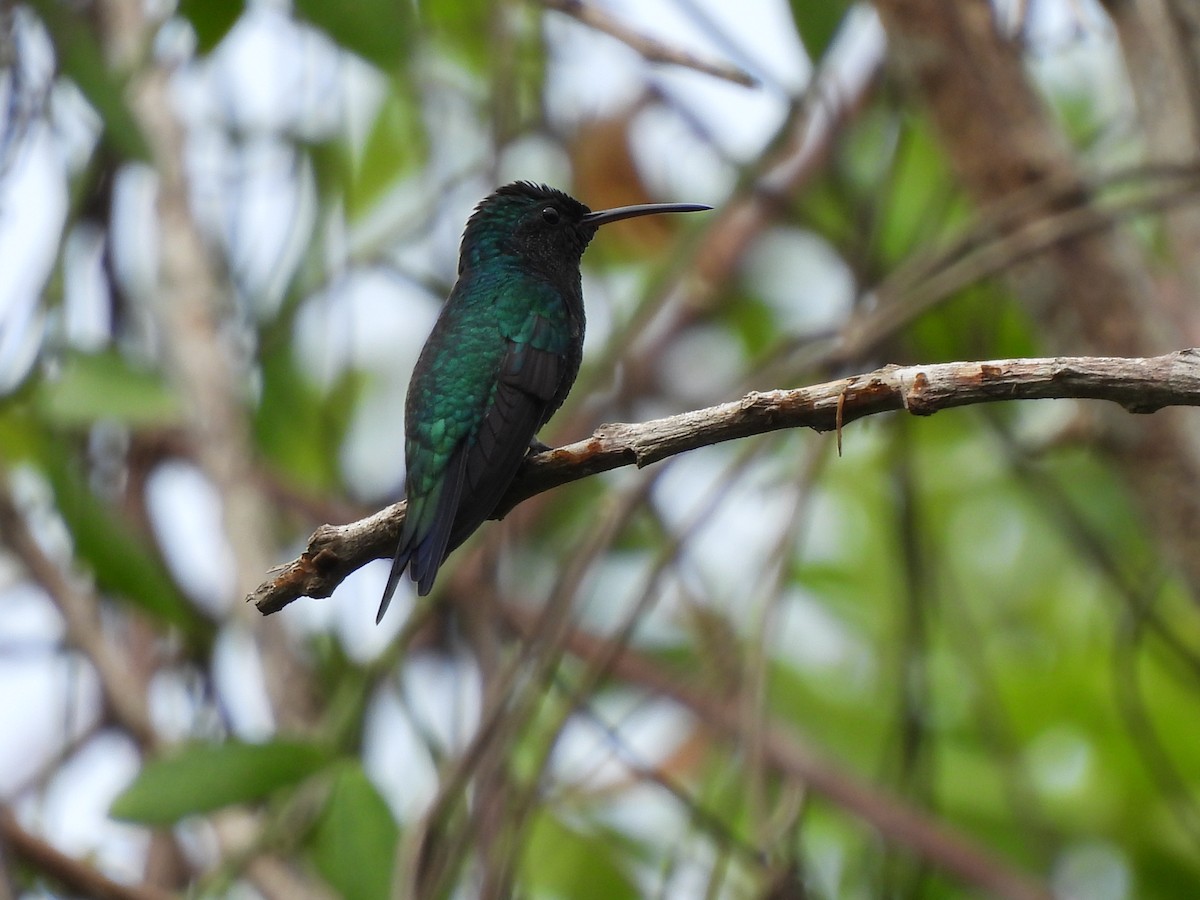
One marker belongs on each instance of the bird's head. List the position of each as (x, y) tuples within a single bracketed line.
[(541, 227)]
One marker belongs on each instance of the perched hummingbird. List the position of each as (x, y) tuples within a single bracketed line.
[(500, 360)]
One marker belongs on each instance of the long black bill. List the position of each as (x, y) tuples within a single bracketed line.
[(604, 216)]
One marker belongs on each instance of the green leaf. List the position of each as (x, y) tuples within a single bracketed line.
[(919, 202), (211, 20), (394, 147), (81, 59), (299, 428), (120, 557), (355, 841), (21, 436), (818, 22), (105, 386), (380, 31), (752, 322), (564, 862), (464, 29), (202, 777)]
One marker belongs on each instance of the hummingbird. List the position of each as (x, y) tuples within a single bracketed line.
[(500, 360)]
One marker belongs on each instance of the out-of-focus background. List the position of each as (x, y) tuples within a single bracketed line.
[(961, 658)]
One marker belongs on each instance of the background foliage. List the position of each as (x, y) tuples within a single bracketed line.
[(225, 231)]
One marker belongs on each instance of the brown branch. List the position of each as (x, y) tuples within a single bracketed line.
[(1096, 293), (1140, 385), (649, 48), (191, 307), (75, 875), (124, 689)]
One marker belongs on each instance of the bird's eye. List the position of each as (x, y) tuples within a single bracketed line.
[(550, 215)]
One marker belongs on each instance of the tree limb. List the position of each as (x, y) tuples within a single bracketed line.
[(75, 875), (1141, 385), (650, 49), (1096, 293)]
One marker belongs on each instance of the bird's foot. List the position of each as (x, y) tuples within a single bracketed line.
[(536, 446)]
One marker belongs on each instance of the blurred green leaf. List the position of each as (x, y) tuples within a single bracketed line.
[(119, 556), (917, 195), (354, 843), (818, 22), (200, 778), (211, 19), (394, 148), (105, 386), (867, 150), (564, 862), (333, 167), (752, 322), (981, 322), (464, 28), (299, 428), (81, 59), (380, 31), (828, 209), (21, 436)]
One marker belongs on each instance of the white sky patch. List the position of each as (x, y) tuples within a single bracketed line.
[(30, 620), (368, 318), (802, 277), (1097, 870), (354, 604), (374, 321), (693, 171), (701, 365), (735, 538), (649, 730), (186, 513), (615, 582), (806, 634), (134, 238), (444, 697), (73, 812), (87, 312), (1060, 761), (33, 206), (241, 684), (755, 34), (63, 690), (574, 94), (534, 157), (396, 758), (378, 422), (174, 702)]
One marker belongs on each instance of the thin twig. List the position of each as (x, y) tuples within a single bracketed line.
[(650, 49), (1141, 385), (786, 752), (124, 688), (76, 876)]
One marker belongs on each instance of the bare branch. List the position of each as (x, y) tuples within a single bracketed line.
[(1141, 385), (124, 689), (651, 50), (1096, 293), (77, 876), (191, 307)]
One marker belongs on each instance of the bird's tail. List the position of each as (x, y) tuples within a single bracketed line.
[(399, 564), (425, 539)]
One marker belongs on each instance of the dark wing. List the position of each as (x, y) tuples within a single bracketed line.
[(483, 464), (526, 383)]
